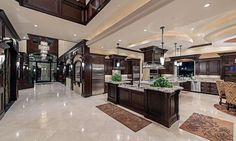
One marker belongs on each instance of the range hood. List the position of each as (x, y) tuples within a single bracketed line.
[(152, 55), (153, 65)]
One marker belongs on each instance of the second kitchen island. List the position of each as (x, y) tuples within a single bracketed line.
[(158, 104)]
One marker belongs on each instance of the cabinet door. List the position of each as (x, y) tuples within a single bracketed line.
[(203, 68), (124, 97), (108, 67), (46, 6), (214, 67), (213, 89), (205, 87), (137, 100)]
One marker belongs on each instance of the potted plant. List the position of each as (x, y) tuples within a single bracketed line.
[(116, 77), (162, 82)]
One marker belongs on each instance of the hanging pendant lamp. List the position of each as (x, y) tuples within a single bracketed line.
[(162, 58)]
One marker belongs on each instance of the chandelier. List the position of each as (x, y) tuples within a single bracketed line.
[(44, 48)]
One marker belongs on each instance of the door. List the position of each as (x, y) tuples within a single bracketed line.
[(43, 72)]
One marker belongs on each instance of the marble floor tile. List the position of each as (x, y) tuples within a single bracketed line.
[(54, 113)]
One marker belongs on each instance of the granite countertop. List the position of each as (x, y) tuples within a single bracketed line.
[(132, 87), (121, 82), (142, 88), (165, 90)]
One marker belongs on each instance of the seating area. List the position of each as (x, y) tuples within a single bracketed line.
[(227, 91)]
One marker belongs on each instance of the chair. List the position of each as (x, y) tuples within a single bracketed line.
[(221, 90), (230, 92)]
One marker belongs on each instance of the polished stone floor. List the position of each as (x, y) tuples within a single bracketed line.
[(53, 113)]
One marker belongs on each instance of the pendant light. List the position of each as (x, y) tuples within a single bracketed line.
[(162, 59), (176, 63)]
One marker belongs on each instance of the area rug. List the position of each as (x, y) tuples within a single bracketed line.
[(128, 119), (209, 128), (223, 108)]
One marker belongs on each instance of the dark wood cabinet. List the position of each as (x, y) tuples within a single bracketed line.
[(108, 67), (209, 88), (208, 67), (202, 65), (1, 101), (137, 100), (113, 93), (169, 68), (214, 67), (162, 107), (131, 99), (124, 97), (186, 85), (228, 66)]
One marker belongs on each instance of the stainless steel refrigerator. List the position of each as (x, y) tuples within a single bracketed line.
[(98, 79)]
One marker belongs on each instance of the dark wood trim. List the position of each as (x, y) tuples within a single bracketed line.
[(129, 49), (97, 11), (193, 57), (200, 45), (81, 7), (8, 24)]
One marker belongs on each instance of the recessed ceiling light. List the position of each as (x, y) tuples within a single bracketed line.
[(145, 30), (207, 5), (24, 37), (119, 40), (35, 25), (75, 35), (192, 29), (101, 46)]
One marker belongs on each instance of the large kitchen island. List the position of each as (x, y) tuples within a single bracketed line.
[(158, 104)]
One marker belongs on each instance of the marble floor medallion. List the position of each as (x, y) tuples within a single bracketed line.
[(128, 119), (208, 127)]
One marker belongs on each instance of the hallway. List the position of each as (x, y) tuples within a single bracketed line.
[(53, 113)]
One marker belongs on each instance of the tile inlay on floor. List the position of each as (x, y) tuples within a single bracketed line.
[(54, 113)]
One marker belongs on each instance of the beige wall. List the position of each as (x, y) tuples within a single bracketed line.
[(64, 46), (23, 46)]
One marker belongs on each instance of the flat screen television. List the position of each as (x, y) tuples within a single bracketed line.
[(187, 69)]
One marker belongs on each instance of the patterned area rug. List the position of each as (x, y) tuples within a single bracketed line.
[(223, 108), (128, 119), (209, 128)]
